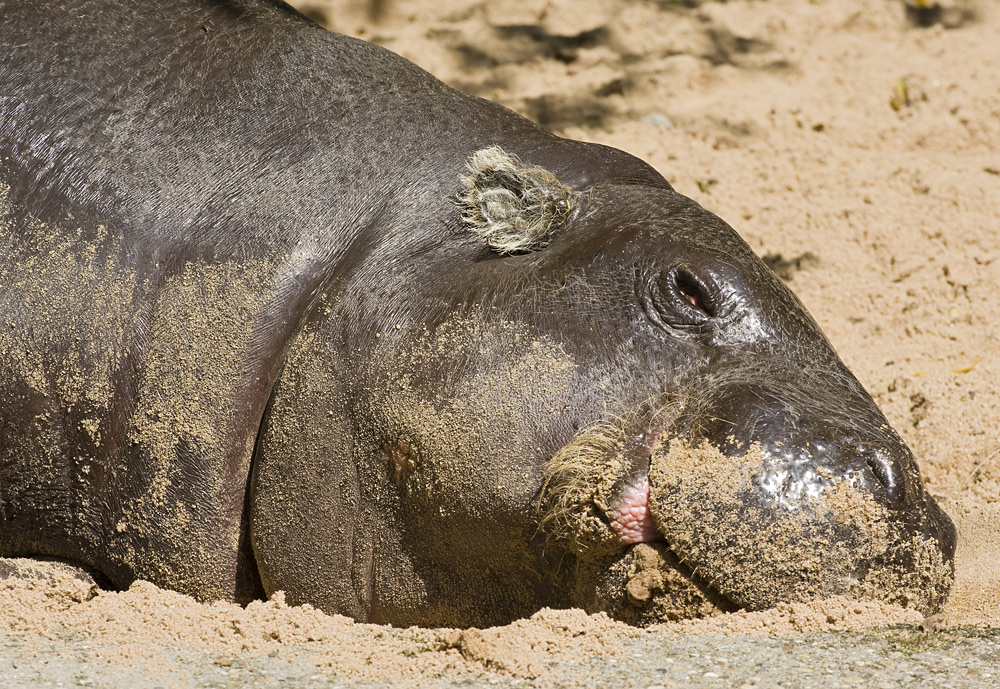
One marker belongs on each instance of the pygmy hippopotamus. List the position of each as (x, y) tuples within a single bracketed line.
[(281, 311)]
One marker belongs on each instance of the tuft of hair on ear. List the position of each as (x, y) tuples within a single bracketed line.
[(515, 207)]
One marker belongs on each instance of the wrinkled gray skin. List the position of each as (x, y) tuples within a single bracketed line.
[(248, 344)]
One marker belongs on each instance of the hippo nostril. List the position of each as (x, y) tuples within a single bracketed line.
[(878, 469), (883, 471)]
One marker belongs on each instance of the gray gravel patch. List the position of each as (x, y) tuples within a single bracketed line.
[(893, 657)]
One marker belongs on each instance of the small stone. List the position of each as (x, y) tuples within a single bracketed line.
[(659, 120)]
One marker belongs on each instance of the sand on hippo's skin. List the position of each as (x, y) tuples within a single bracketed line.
[(858, 153)]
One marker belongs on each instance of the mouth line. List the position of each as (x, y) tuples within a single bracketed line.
[(595, 500), (631, 519), (628, 513)]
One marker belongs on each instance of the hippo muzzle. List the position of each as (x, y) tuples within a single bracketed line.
[(751, 494), (819, 495)]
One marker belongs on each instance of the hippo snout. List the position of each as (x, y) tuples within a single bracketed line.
[(818, 495)]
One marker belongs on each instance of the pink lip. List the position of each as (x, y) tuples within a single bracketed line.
[(631, 520)]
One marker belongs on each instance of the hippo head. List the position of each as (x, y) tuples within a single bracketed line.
[(579, 393)]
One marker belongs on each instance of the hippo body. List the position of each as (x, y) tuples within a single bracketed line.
[(251, 340)]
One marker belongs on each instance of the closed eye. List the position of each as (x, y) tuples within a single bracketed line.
[(691, 290)]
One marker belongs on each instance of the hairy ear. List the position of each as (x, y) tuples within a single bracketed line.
[(515, 207)]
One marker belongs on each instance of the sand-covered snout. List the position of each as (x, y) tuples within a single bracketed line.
[(759, 537), (664, 528)]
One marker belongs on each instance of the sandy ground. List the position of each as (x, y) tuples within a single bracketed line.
[(856, 150)]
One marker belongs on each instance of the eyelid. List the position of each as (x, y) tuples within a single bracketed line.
[(692, 290)]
